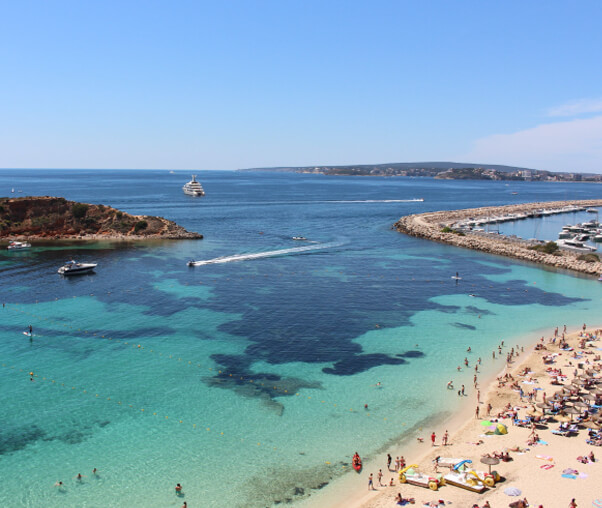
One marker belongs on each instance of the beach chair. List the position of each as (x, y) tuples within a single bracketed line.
[(522, 423), (559, 432)]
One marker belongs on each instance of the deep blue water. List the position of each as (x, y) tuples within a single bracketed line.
[(367, 304)]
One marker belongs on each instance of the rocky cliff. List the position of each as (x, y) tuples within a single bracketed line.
[(45, 217)]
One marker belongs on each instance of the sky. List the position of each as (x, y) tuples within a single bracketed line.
[(238, 84)]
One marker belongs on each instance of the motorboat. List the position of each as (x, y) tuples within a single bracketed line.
[(563, 235), (14, 245), (575, 245), (75, 268), (598, 238), (592, 210), (193, 188), (300, 238)]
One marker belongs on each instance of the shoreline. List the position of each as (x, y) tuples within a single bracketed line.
[(467, 427), (430, 225)]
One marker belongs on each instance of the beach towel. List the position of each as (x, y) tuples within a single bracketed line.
[(547, 466), (543, 457), (571, 476)]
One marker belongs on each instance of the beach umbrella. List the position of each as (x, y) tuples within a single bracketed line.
[(563, 418), (572, 410), (534, 412), (543, 405), (580, 404), (592, 425), (490, 461), (512, 491), (500, 428)]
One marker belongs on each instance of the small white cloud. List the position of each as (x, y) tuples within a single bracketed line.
[(579, 107), (574, 146)]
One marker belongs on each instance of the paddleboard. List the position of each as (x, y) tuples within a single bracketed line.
[(28, 334)]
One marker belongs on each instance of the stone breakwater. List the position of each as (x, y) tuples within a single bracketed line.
[(429, 225)]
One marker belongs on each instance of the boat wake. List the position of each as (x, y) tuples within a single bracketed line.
[(266, 254)]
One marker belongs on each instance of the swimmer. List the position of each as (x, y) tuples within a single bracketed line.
[(365, 406), (59, 484), (178, 489), (469, 349), (450, 385), (95, 472), (378, 385)]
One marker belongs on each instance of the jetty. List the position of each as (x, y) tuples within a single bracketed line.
[(453, 227)]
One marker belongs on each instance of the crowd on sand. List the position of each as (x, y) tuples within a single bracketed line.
[(541, 419)]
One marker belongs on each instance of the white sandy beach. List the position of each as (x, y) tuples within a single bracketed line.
[(537, 470)]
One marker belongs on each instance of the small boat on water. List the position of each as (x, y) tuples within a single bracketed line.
[(592, 210), (193, 188), (14, 245), (300, 238), (357, 463), (74, 268), (575, 245)]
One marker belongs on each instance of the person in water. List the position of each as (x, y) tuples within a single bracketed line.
[(178, 489)]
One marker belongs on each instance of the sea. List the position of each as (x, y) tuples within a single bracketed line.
[(252, 378)]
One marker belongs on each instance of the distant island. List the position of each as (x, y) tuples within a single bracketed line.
[(53, 218), (443, 171)]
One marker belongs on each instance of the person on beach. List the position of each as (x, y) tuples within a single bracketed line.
[(371, 482), (478, 396), (380, 477), (462, 390), (493, 354), (445, 438), (389, 459), (573, 504), (391, 484), (433, 437), (476, 413)]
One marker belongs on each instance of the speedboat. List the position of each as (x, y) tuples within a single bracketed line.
[(299, 238), (74, 268), (18, 245), (193, 188), (592, 210)]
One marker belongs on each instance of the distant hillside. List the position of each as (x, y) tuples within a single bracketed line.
[(441, 170), (396, 166), (44, 217)]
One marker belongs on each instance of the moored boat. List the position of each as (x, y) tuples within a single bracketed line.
[(14, 245)]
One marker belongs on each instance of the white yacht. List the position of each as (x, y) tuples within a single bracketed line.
[(74, 268), (193, 188), (575, 245), (14, 245)]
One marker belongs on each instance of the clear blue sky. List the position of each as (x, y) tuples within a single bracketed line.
[(235, 84)]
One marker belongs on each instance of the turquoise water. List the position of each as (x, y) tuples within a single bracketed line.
[(246, 381)]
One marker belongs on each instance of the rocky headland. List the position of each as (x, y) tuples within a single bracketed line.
[(53, 218), (438, 226)]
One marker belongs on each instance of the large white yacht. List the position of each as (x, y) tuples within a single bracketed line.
[(193, 188)]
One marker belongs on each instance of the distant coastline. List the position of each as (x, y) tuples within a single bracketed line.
[(437, 226), (46, 218), (441, 170)]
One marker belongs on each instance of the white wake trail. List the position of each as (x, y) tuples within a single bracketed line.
[(266, 254)]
